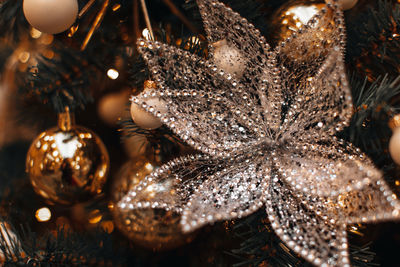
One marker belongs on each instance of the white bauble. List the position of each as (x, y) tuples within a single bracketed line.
[(51, 16), (228, 58), (394, 145), (143, 118), (346, 4)]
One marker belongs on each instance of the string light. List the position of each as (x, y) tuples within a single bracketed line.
[(95, 217), (146, 34), (43, 214), (24, 57), (112, 74), (47, 39), (35, 33), (116, 7), (149, 167)]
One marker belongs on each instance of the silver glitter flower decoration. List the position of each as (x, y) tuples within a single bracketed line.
[(267, 136)]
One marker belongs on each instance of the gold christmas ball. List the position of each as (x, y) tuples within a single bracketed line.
[(130, 174), (156, 229), (68, 163), (152, 228), (292, 17)]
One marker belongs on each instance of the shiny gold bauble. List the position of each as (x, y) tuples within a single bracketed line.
[(292, 16), (152, 228), (155, 229), (130, 174), (68, 163), (310, 45)]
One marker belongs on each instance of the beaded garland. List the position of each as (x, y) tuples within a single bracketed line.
[(268, 136)]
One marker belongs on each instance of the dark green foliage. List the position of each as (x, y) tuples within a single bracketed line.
[(260, 244), (5, 52), (64, 248), (69, 77), (374, 39), (13, 24), (60, 82), (12, 155), (374, 104)]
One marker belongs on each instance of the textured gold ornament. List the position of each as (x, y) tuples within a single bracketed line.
[(156, 229), (131, 174), (292, 17), (153, 228), (68, 163)]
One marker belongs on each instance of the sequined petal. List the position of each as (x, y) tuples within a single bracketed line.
[(260, 70), (322, 170), (324, 106), (373, 203), (171, 186), (233, 192), (305, 50), (201, 108), (306, 229)]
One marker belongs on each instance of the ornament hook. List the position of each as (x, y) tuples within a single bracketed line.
[(147, 18), (66, 120)]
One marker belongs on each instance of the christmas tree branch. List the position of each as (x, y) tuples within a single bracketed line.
[(374, 106), (374, 39), (13, 25)]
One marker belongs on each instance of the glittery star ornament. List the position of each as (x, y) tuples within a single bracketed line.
[(267, 136)]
